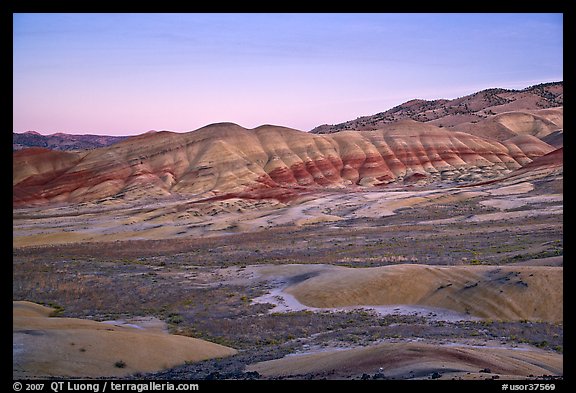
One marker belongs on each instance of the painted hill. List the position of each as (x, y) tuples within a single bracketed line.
[(61, 141), (494, 113), (226, 160)]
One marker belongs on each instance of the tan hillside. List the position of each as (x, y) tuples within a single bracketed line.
[(500, 293), (417, 361), (47, 346), (527, 108), (39, 166), (539, 123)]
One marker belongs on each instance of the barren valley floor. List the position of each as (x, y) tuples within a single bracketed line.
[(451, 282)]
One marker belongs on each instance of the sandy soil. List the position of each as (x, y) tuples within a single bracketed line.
[(70, 347), (417, 361)]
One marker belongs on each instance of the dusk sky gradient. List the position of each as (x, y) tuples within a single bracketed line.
[(125, 74)]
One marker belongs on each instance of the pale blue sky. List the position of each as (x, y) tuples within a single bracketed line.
[(124, 74)]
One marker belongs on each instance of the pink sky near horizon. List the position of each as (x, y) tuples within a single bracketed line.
[(126, 74)]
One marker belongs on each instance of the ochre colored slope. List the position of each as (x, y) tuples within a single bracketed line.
[(70, 347), (503, 293)]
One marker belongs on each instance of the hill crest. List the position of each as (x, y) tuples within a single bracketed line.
[(452, 113), (229, 160)]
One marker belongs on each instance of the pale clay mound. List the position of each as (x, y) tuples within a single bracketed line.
[(494, 292), (70, 347), (417, 361)]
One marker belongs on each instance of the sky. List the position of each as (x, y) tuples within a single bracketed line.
[(126, 74)]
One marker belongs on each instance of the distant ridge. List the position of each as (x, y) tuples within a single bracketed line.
[(62, 141), (470, 113)]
